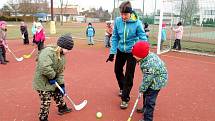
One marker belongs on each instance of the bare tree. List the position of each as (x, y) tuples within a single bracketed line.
[(14, 6), (6, 10), (188, 9), (32, 6), (62, 8)]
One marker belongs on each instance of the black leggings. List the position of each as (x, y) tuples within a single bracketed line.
[(40, 45), (177, 43), (125, 81)]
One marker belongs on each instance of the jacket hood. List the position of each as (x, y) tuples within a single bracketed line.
[(134, 17)]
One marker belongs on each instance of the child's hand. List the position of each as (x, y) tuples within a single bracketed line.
[(52, 81), (141, 90)]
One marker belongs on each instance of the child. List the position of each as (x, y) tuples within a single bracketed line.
[(39, 36), (178, 33), (3, 42), (24, 32), (108, 34), (90, 33), (146, 29), (33, 30), (163, 35), (154, 77), (49, 69)]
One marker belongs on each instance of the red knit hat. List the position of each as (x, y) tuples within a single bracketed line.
[(141, 49)]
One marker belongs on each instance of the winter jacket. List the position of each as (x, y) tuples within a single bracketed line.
[(90, 32), (163, 34), (24, 30), (154, 73), (3, 35), (48, 67), (40, 36), (126, 34), (179, 32), (33, 29)]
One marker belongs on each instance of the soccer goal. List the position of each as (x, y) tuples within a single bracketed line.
[(198, 21)]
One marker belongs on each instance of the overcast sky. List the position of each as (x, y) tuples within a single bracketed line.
[(106, 4)]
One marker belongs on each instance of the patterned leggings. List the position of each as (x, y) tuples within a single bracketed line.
[(45, 100)]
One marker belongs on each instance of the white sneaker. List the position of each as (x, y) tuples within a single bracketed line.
[(120, 93), (123, 105)]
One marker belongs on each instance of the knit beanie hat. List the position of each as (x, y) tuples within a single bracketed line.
[(65, 41), (2, 23), (125, 7), (141, 49), (163, 25)]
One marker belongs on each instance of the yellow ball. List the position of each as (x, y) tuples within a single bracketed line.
[(98, 115)]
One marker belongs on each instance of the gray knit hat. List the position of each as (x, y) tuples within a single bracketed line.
[(125, 7), (65, 41)]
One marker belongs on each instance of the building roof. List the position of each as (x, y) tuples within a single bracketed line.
[(70, 11)]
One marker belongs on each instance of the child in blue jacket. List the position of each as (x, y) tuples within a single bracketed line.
[(154, 77), (163, 35), (90, 33)]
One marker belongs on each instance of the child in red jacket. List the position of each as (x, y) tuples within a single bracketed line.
[(39, 36)]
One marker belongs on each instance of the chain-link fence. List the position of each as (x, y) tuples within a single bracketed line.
[(198, 21)]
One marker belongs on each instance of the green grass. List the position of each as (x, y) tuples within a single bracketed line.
[(193, 46)]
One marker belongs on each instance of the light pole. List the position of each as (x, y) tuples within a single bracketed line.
[(52, 18), (52, 22), (143, 7)]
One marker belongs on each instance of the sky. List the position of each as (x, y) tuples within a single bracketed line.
[(106, 4)]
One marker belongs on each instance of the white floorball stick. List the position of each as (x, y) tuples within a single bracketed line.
[(134, 107), (18, 59), (77, 107)]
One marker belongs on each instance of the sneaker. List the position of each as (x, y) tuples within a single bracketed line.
[(140, 110), (123, 105), (64, 110), (7, 61), (120, 93), (3, 62)]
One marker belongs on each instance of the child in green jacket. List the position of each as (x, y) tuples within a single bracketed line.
[(50, 69), (154, 77)]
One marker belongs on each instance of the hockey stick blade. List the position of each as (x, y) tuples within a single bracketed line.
[(77, 107), (29, 55), (17, 59)]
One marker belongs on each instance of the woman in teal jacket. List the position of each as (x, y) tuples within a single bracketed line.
[(127, 31)]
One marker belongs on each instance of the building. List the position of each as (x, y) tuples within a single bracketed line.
[(67, 14)]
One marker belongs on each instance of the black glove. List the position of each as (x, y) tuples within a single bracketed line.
[(110, 58)]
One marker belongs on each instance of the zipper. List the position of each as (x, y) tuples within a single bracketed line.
[(124, 36)]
